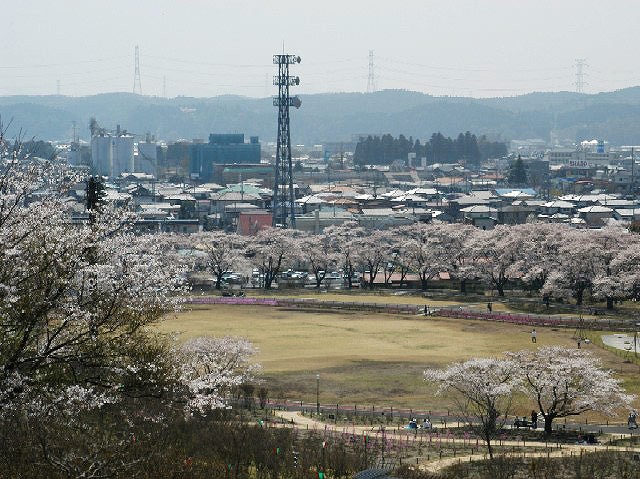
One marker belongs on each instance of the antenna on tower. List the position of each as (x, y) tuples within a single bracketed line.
[(581, 63), (283, 192), (137, 86), (371, 80)]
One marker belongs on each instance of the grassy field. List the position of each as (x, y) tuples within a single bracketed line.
[(379, 297), (362, 358)]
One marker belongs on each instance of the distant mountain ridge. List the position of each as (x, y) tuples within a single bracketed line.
[(613, 116)]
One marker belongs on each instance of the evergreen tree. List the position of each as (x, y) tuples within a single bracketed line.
[(517, 173), (94, 196)]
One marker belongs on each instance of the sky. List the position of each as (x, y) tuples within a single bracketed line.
[(207, 48)]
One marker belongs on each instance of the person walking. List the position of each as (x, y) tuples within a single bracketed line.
[(534, 336), (534, 420), (631, 420)]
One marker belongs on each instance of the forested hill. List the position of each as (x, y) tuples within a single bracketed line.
[(614, 116)]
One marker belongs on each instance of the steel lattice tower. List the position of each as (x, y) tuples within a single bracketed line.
[(371, 79), (283, 195), (581, 63), (137, 86)]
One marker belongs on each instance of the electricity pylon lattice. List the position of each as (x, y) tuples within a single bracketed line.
[(137, 86), (581, 64), (371, 79), (283, 195)]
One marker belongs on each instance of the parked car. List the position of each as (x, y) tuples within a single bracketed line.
[(524, 422)]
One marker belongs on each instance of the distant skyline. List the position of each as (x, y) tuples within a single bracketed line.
[(208, 48)]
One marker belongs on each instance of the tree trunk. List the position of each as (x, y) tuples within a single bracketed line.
[(218, 281), (579, 295), (463, 286), (487, 439), (424, 282), (548, 425), (609, 302), (500, 288)]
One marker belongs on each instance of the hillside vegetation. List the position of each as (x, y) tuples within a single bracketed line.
[(614, 116)]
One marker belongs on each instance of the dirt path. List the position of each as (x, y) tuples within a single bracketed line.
[(294, 418)]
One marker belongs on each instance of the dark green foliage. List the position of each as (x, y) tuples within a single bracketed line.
[(38, 149), (439, 149), (517, 173), (94, 193)]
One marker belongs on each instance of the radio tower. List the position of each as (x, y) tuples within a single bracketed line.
[(283, 195), (371, 81), (137, 87), (581, 63)]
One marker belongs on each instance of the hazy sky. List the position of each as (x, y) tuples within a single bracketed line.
[(212, 47)]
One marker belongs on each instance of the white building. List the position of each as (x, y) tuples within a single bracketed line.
[(101, 155)]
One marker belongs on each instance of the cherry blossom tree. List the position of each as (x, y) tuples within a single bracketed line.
[(431, 249), (612, 241), (624, 282), (374, 253), (540, 254), (212, 366), (459, 260), (270, 248), (493, 252), (224, 252), (344, 240), (482, 388), (568, 382), (317, 252), (579, 262)]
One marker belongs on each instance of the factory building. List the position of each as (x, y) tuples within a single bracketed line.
[(222, 149)]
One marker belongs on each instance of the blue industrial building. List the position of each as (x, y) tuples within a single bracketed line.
[(222, 149)]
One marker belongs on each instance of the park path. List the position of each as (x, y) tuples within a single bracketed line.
[(295, 418)]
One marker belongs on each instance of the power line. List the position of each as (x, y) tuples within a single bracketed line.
[(50, 65)]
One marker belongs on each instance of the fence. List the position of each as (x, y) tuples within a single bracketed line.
[(532, 320), (232, 300)]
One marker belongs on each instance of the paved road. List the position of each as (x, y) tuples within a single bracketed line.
[(622, 341)]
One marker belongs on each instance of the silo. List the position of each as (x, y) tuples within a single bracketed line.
[(101, 155), (122, 154)]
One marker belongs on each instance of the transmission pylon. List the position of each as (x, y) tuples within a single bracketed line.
[(137, 86), (371, 80), (581, 63), (283, 194)]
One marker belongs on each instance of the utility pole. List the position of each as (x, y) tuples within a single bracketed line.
[(283, 202), (371, 80), (318, 394), (137, 86), (633, 161)]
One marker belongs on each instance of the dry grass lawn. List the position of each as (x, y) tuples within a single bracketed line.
[(362, 358)]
